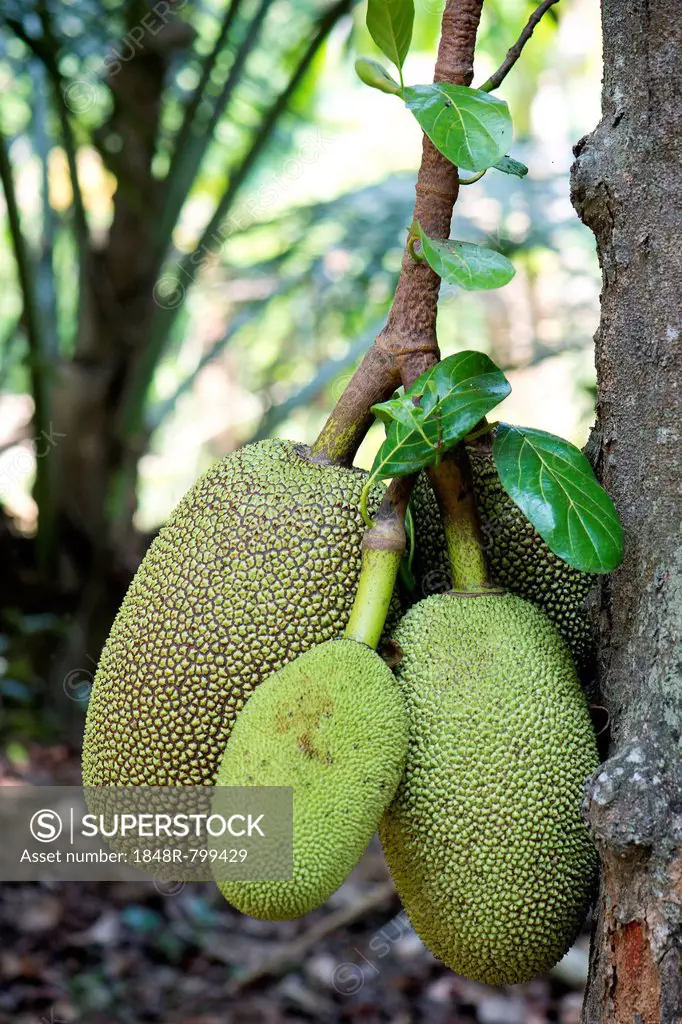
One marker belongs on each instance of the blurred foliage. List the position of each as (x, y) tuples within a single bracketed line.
[(219, 94), (328, 273), (264, 217)]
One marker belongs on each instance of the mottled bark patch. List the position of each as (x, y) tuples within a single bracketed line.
[(637, 981)]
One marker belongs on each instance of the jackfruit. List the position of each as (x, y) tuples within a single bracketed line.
[(331, 724), (485, 840), (258, 563), (518, 558)]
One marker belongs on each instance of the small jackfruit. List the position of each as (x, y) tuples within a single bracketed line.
[(332, 725), (257, 564), (518, 558), (485, 840)]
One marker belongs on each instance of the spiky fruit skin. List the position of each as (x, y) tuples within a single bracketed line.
[(518, 558), (332, 725), (257, 564), (485, 840)]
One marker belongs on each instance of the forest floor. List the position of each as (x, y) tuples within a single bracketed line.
[(145, 953)]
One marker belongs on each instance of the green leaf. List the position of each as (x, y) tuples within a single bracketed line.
[(374, 74), (470, 127), (465, 264), (437, 411), (390, 25), (553, 484), (508, 165)]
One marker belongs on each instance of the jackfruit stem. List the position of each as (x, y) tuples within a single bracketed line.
[(452, 485), (378, 574), (382, 551)]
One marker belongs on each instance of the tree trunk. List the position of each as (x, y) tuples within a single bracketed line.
[(117, 305), (96, 471), (627, 187)]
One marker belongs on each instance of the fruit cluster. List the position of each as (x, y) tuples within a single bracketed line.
[(244, 654)]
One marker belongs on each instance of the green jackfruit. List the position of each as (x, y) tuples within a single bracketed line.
[(258, 563), (485, 840), (518, 558), (331, 724)]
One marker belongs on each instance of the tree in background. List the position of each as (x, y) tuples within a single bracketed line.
[(91, 390), (110, 76), (103, 313)]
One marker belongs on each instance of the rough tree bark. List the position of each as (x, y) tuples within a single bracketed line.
[(627, 183)]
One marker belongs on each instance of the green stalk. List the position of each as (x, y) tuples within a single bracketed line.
[(372, 599), (382, 550), (451, 482)]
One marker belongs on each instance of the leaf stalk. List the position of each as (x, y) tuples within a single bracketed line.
[(383, 547)]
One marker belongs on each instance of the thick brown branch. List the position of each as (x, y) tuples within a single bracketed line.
[(410, 334), (514, 52), (408, 346), (374, 381)]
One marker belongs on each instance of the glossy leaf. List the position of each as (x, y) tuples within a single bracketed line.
[(554, 486), (474, 267), (390, 25), (437, 411), (471, 128), (508, 165)]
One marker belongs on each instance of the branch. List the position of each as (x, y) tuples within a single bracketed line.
[(408, 345), (325, 25), (7, 342), (70, 148), (514, 53), (45, 277), (192, 145), (453, 487), (207, 69), (25, 273), (37, 363), (45, 50), (36, 46), (132, 407)]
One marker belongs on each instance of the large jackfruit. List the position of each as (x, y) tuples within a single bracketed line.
[(332, 725), (485, 840), (518, 557), (258, 563)]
